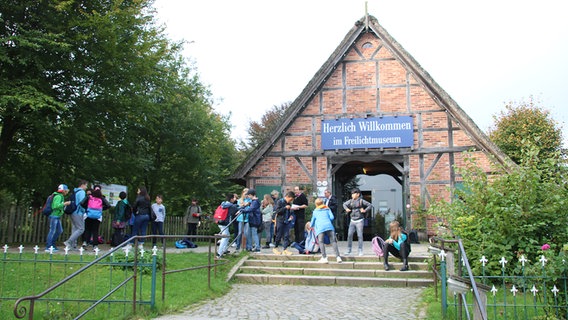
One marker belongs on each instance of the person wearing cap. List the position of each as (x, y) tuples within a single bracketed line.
[(356, 208), (55, 227)]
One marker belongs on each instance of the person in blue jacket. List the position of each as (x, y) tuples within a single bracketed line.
[(397, 245), (322, 218)]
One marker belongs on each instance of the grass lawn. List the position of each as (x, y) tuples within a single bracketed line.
[(29, 274)]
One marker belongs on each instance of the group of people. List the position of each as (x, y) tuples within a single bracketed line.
[(277, 216), (88, 215)]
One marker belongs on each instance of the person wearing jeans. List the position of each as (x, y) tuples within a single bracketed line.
[(141, 209), (55, 227), (254, 218), (356, 206), (158, 225)]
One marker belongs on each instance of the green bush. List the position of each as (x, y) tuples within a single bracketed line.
[(509, 213)]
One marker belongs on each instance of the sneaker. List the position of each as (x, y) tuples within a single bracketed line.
[(360, 253), (323, 260), (347, 253), (276, 251), (386, 267), (67, 244), (404, 268), (266, 247), (234, 245), (339, 260), (95, 248), (54, 250), (140, 247), (84, 245), (286, 252)]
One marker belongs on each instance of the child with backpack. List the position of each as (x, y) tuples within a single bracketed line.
[(122, 214), (310, 243), (55, 228), (322, 218), (94, 203), (398, 244)]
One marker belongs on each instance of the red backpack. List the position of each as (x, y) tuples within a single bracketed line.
[(220, 214)]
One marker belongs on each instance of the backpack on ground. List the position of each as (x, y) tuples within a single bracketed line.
[(407, 242), (47, 206), (184, 244), (117, 238), (72, 207), (377, 244), (221, 214)]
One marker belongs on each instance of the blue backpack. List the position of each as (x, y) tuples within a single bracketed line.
[(47, 206), (72, 207)]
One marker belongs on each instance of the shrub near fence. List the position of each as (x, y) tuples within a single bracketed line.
[(26, 225)]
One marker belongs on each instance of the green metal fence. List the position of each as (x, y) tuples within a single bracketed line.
[(514, 294), (37, 284)]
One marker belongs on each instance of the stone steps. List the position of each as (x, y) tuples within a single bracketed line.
[(364, 271)]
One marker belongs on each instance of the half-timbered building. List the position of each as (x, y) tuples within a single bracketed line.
[(370, 110)]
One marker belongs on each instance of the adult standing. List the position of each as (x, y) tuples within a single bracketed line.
[(356, 207), (77, 219), (141, 209), (330, 201), (191, 218), (55, 228), (158, 224), (300, 204)]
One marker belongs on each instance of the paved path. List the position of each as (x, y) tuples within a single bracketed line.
[(307, 302), (311, 302)]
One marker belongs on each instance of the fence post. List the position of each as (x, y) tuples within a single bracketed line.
[(443, 281), (153, 289)]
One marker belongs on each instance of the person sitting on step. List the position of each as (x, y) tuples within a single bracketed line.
[(396, 244)]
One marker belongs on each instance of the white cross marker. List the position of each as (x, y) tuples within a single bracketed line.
[(483, 261), (522, 260), (21, 247), (494, 290), (36, 248), (543, 260), (514, 290), (555, 290), (534, 290), (443, 255), (503, 262)]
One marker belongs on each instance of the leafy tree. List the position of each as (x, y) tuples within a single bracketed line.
[(94, 89), (526, 124), (260, 131)]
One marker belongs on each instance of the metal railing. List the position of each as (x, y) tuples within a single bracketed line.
[(521, 291), (136, 268)]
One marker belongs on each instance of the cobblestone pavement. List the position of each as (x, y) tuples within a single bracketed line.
[(246, 301)]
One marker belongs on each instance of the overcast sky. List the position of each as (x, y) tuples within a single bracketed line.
[(256, 54)]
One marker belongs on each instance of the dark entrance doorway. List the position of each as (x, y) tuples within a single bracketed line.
[(382, 183)]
